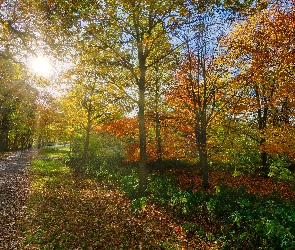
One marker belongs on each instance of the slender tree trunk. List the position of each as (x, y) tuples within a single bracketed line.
[(202, 147), (159, 142), (263, 157), (86, 144), (4, 140), (158, 131), (15, 142), (142, 134), (39, 142), (262, 126), (158, 137), (71, 143), (262, 115), (4, 132), (158, 125)]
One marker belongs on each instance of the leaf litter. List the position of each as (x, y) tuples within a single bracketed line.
[(71, 211)]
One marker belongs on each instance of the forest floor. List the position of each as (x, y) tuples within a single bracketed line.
[(67, 210), (51, 206)]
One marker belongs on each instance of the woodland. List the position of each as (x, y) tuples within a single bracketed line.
[(159, 124)]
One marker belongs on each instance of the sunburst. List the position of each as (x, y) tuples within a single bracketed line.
[(41, 66)]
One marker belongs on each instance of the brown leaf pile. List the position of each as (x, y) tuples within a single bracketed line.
[(254, 183), (74, 212)]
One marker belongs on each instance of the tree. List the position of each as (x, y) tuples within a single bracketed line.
[(88, 101), (18, 42), (88, 108), (160, 79), (17, 107), (131, 36), (198, 95), (262, 50)]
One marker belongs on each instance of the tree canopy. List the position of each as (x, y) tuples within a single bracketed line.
[(209, 82)]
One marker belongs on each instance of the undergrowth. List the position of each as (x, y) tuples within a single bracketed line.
[(241, 220), (238, 219)]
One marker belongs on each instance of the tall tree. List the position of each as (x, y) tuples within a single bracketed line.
[(131, 36), (201, 81)]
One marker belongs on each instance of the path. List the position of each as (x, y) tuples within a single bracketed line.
[(14, 188)]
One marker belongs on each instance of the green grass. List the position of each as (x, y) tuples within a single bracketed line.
[(55, 151)]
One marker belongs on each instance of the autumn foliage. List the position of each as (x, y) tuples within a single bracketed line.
[(174, 146), (178, 116), (261, 49)]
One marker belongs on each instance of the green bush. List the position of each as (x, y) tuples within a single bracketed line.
[(138, 204), (245, 221), (279, 171), (105, 161), (130, 184), (227, 200), (248, 220), (160, 188)]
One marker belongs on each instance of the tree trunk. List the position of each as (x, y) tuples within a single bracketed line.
[(201, 137), (15, 142), (262, 118), (263, 158), (87, 136), (203, 152), (39, 142), (159, 142), (142, 139), (205, 169), (142, 54), (4, 132), (4, 140)]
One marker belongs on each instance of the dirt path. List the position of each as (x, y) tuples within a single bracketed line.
[(14, 188)]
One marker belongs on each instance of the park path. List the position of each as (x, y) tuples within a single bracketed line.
[(14, 188)]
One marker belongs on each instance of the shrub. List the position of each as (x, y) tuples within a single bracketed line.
[(130, 184), (245, 221), (280, 172), (138, 204), (160, 188), (248, 220)]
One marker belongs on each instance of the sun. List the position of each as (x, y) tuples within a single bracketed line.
[(41, 66)]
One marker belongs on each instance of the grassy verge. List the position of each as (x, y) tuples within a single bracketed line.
[(67, 210)]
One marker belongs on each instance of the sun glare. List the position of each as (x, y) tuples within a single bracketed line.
[(41, 66)]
